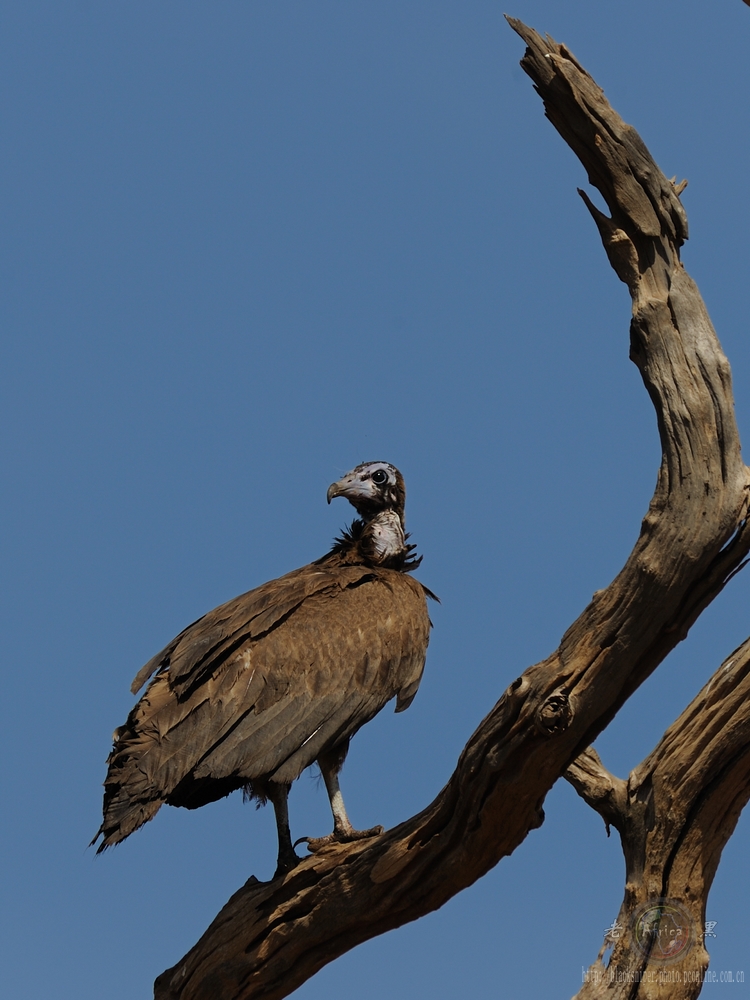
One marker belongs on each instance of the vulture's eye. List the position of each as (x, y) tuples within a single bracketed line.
[(379, 477)]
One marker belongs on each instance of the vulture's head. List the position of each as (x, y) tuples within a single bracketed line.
[(376, 490), (371, 488)]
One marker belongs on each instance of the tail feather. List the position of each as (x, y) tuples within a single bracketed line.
[(121, 817)]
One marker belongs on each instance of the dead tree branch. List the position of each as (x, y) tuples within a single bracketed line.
[(598, 788), (675, 814), (270, 938)]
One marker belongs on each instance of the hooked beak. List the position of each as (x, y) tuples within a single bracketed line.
[(351, 487), (334, 490)]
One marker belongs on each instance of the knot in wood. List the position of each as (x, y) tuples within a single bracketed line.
[(554, 715)]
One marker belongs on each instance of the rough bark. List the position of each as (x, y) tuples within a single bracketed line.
[(271, 937), (674, 815)]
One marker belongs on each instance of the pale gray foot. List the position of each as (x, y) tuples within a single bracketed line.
[(339, 837), (343, 831)]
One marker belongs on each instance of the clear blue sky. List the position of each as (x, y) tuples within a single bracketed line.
[(246, 246)]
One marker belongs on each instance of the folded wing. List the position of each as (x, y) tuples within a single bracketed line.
[(255, 690)]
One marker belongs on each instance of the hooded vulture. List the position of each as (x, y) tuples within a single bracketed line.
[(279, 678)]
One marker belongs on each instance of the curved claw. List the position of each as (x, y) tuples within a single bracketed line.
[(315, 844)]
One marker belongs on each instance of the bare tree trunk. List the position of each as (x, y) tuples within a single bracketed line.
[(674, 814), (271, 937)]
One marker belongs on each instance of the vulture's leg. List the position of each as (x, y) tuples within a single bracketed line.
[(331, 763), (287, 860)]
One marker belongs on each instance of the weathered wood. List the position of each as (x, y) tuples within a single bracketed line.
[(271, 937), (675, 814), (601, 790)]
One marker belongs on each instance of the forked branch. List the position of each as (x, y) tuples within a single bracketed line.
[(271, 937), (675, 814)]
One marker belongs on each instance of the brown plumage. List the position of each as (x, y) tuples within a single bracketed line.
[(280, 677)]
